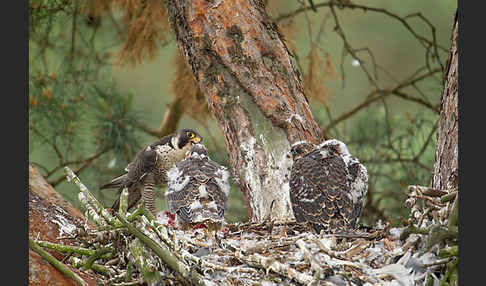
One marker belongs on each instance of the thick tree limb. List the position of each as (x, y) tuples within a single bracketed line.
[(244, 69)]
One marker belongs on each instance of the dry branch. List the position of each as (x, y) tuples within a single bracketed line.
[(269, 263), (54, 262)]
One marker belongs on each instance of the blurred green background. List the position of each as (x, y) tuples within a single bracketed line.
[(143, 93)]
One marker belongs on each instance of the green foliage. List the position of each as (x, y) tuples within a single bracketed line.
[(77, 113)]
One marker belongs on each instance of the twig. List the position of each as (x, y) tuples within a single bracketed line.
[(438, 262), (78, 263), (428, 191), (73, 31), (269, 263), (73, 249), (123, 202), (78, 170), (166, 255), (96, 255), (89, 200), (145, 262), (454, 214), (57, 264), (448, 197), (377, 95), (371, 9), (131, 283), (449, 252), (170, 120)]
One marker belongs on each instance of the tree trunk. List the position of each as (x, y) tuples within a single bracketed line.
[(245, 70), (446, 151)]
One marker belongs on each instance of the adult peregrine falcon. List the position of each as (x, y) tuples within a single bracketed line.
[(327, 186), (197, 190), (150, 166)]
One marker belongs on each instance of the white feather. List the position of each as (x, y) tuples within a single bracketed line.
[(176, 182), (195, 205), (222, 176), (203, 193)]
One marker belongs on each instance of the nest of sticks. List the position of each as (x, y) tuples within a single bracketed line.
[(138, 249)]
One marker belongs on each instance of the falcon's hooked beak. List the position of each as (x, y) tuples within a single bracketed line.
[(196, 139)]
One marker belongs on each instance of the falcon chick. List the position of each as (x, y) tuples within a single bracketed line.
[(150, 166), (197, 190), (327, 185)]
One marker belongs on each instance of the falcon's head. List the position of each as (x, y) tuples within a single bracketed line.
[(300, 149), (187, 136), (198, 151), (336, 146)]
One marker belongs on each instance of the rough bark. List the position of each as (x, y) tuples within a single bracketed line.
[(242, 65), (446, 151), (51, 217)]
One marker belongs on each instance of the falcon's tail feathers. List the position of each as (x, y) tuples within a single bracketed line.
[(115, 183)]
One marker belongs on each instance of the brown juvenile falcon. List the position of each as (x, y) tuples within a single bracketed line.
[(327, 186), (197, 190), (150, 166)]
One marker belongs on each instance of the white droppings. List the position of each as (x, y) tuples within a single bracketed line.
[(82, 198), (296, 116), (65, 227), (355, 63), (327, 242), (112, 163), (250, 170), (195, 205), (262, 138), (203, 193), (299, 142), (75, 260), (212, 206)]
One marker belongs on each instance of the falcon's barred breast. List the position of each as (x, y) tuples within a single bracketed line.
[(327, 186), (149, 168), (197, 190)]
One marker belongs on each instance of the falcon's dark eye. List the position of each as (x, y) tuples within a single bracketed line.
[(190, 134)]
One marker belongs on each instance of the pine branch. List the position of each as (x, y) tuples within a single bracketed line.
[(166, 255), (57, 264), (170, 120), (68, 249), (93, 206)]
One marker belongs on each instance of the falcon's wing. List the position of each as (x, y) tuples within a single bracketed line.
[(318, 191), (358, 182), (166, 140), (143, 163), (196, 193)]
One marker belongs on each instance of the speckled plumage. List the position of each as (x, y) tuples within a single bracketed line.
[(327, 186), (197, 189), (149, 168)]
